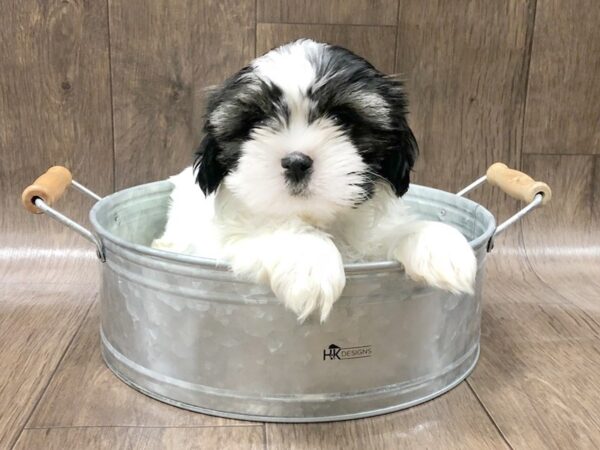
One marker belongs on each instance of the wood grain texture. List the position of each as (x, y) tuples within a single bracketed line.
[(36, 325), (542, 395), (563, 101), (70, 265), (164, 55), (250, 438), (465, 65), (374, 43), (54, 109), (453, 421), (512, 274), (562, 240), (568, 222), (537, 374), (347, 12), (541, 322), (533, 309), (101, 398)]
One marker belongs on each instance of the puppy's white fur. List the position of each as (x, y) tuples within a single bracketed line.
[(297, 241), (303, 263), (335, 181)]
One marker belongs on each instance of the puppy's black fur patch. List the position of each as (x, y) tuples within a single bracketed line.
[(245, 102), (344, 90), (387, 146)]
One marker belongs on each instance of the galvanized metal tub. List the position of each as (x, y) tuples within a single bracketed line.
[(185, 331), (188, 332)]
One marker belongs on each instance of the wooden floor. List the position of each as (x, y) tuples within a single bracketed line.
[(536, 384)]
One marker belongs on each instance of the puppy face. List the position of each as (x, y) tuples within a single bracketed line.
[(306, 130)]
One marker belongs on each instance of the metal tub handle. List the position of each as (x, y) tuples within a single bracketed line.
[(47, 189), (50, 186), (516, 184)]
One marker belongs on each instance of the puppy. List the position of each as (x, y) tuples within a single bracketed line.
[(306, 155)]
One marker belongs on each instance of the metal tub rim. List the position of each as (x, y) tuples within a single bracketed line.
[(213, 264)]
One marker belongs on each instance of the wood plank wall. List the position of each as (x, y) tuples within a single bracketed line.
[(115, 90), (55, 108)]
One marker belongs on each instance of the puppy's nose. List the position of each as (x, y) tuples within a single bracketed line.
[(297, 166)]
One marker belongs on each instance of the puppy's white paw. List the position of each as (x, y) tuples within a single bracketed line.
[(305, 270), (308, 276), (440, 256), (309, 284)]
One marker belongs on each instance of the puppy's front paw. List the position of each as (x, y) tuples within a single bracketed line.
[(309, 287), (440, 256), (310, 279)]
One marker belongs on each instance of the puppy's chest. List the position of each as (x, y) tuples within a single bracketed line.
[(356, 244)]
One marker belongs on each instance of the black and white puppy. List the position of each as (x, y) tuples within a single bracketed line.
[(306, 155)]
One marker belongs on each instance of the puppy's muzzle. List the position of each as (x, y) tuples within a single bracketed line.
[(298, 167)]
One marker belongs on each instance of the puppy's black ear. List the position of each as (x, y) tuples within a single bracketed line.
[(210, 172), (400, 160)]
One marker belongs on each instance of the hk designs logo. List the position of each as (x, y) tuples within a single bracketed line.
[(335, 352)]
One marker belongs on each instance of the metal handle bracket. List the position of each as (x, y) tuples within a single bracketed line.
[(47, 189)]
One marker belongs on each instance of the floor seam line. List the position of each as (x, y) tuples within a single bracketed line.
[(60, 360), (489, 415)]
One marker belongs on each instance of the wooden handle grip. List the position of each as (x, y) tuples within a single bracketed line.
[(49, 187), (517, 184)]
